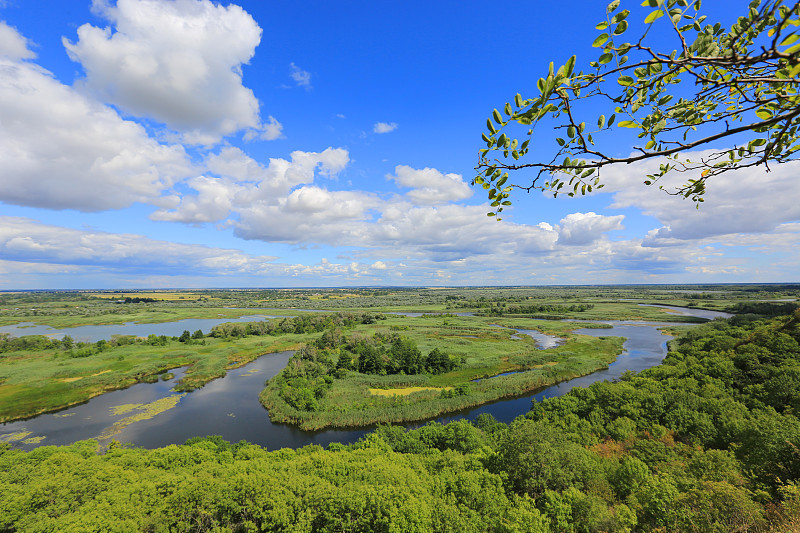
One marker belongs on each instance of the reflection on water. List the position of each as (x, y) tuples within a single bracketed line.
[(543, 342)]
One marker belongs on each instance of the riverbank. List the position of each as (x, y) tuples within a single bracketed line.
[(36, 381)]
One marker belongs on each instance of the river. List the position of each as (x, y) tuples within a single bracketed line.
[(96, 333), (229, 406)]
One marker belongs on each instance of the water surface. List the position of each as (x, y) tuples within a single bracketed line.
[(96, 333)]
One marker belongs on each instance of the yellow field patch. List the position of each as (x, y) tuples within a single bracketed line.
[(404, 391)]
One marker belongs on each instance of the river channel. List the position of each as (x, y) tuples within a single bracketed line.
[(151, 415)]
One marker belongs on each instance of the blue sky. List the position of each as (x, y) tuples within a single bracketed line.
[(186, 143)]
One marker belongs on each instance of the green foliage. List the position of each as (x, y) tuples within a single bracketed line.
[(745, 89), (613, 457)]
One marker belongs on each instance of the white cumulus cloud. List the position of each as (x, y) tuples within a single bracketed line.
[(61, 150), (177, 62), (585, 228), (12, 44), (750, 200), (247, 187), (430, 186)]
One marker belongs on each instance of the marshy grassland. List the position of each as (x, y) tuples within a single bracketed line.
[(40, 374), (355, 399)]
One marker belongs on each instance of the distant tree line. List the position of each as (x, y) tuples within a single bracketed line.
[(503, 309), (310, 323), (764, 308)]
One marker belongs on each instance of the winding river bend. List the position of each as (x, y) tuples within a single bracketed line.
[(151, 415)]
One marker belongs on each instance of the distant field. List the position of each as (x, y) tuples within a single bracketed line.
[(156, 295)]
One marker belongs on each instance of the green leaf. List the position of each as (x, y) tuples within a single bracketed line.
[(508, 109), (793, 49), (605, 58), (611, 120), (763, 114), (628, 124), (621, 27), (625, 81), (602, 26), (619, 17), (600, 40), (497, 117), (649, 19), (570, 65), (790, 39), (612, 6), (601, 121)]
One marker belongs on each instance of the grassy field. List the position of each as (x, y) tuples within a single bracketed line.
[(68, 309)]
